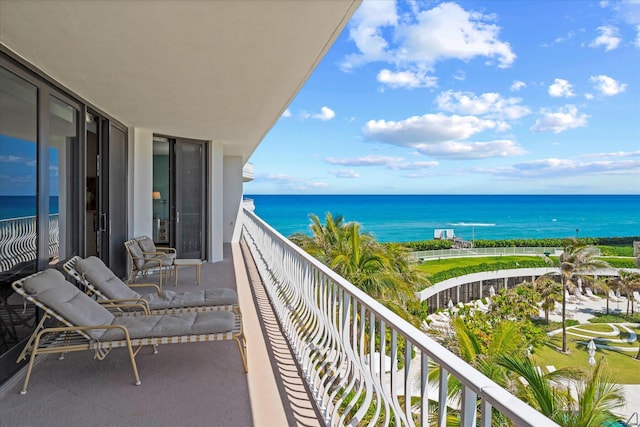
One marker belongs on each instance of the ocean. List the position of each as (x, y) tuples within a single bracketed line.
[(21, 206), (403, 218)]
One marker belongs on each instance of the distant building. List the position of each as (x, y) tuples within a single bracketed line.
[(443, 234)]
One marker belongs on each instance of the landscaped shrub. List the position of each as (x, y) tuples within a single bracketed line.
[(427, 245), (461, 271)]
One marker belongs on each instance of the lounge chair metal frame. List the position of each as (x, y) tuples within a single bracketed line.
[(152, 262), (70, 337), (91, 290)]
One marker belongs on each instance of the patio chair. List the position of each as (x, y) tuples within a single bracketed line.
[(591, 295), (87, 325), (144, 257), (614, 297), (102, 282)]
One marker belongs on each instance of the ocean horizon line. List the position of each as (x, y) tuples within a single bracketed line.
[(415, 217), (443, 194)]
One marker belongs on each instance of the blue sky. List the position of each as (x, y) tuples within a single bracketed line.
[(483, 97)]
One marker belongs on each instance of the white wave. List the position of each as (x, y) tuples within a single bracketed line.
[(473, 224)]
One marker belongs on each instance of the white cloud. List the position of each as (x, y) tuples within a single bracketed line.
[(561, 88), (472, 150), (364, 161), (565, 167), (365, 29), (637, 40), (419, 39), (287, 113), (613, 154), (449, 32), (491, 105), (406, 79), (607, 86), (15, 159), (517, 85), (609, 38), (345, 173), (325, 114), (291, 182), (460, 76), (430, 128), (564, 119), (388, 162), (564, 38)]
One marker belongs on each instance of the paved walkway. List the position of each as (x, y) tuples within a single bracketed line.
[(581, 309)]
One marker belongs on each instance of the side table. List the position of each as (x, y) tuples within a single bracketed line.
[(186, 263)]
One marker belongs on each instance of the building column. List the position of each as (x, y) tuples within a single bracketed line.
[(232, 198), (215, 237), (140, 166)]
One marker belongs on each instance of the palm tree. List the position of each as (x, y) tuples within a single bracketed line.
[(597, 394), (604, 284), (357, 262), (381, 271), (628, 281), (550, 291), (575, 261)]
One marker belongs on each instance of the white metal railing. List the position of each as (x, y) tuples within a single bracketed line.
[(18, 240), (459, 253), (337, 333)]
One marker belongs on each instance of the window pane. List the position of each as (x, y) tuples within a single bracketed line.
[(63, 148), (18, 162)]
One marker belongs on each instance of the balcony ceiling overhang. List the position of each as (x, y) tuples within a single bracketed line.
[(212, 70)]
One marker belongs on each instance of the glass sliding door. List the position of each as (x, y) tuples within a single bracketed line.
[(18, 210), (190, 198), (113, 199), (63, 212), (179, 195), (46, 190)]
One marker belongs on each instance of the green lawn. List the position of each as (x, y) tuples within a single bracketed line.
[(623, 366), (436, 266), (445, 268)]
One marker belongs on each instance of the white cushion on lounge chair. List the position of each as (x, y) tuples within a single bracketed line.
[(170, 299), (167, 325), (100, 276), (94, 270), (52, 289)]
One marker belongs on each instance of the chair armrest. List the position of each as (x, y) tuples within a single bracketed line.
[(165, 250), (158, 260), (138, 303), (146, 285)]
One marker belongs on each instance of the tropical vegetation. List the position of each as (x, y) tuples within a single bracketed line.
[(502, 342), (611, 246), (575, 262), (382, 271)]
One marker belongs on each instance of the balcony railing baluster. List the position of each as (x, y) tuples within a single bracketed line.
[(336, 332), (18, 240)]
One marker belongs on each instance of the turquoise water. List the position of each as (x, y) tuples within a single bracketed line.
[(21, 206), (401, 218)]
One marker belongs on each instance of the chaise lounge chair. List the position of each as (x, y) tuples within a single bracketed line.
[(613, 297), (87, 325), (102, 282), (144, 257), (591, 295)]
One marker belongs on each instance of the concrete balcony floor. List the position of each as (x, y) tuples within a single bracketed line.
[(195, 384)]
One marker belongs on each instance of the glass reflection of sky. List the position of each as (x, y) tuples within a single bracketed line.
[(18, 167)]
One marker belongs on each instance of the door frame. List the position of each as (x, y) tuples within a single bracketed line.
[(174, 199)]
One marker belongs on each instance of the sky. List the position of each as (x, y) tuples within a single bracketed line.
[(477, 97)]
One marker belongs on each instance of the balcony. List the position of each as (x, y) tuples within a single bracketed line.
[(313, 352)]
